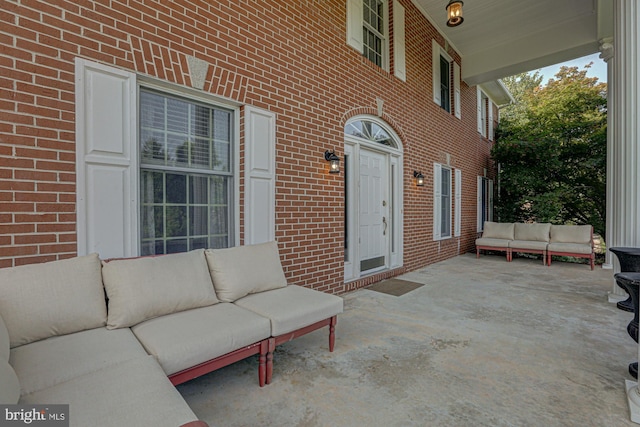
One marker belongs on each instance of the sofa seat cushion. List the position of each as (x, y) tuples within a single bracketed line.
[(528, 245), (571, 234), (493, 243), (293, 307), (244, 270), (496, 230), (45, 363), (573, 248), (185, 339), (9, 385), (143, 288), (55, 298), (131, 393), (532, 232)]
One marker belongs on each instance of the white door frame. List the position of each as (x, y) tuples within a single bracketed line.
[(353, 147)]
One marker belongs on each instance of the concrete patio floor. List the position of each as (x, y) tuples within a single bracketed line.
[(483, 343)]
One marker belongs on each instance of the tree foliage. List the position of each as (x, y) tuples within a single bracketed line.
[(551, 150)]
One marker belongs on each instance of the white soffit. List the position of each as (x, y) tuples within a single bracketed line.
[(500, 38)]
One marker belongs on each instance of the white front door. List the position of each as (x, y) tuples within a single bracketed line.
[(374, 211)]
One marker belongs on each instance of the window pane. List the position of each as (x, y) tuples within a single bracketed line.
[(445, 204), (176, 188), (176, 221)]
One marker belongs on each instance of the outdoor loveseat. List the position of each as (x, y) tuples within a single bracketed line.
[(545, 239), (165, 320)]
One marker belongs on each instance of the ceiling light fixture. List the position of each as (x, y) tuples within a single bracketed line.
[(454, 13)]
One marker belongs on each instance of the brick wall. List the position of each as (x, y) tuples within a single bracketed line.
[(289, 57)]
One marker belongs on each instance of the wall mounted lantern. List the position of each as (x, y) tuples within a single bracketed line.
[(419, 178), (454, 13), (334, 161)]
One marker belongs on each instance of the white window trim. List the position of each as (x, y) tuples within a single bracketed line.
[(355, 22)]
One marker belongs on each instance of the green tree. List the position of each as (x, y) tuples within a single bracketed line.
[(551, 150)]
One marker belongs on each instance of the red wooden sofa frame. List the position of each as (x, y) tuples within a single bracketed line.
[(493, 248)]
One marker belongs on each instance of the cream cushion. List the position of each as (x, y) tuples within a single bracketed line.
[(571, 234), (147, 287), (528, 245), (292, 307), (493, 243), (495, 230), (572, 248), (55, 298), (532, 232), (45, 363), (244, 270), (131, 393), (9, 385), (186, 339), (5, 343)]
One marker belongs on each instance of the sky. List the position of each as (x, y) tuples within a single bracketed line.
[(598, 69)]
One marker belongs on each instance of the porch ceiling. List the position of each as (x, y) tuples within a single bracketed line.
[(500, 38)]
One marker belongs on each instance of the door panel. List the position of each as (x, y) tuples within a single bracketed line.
[(373, 210)]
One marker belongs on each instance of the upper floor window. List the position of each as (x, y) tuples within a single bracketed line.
[(373, 31), (185, 174), (446, 80), (445, 84)]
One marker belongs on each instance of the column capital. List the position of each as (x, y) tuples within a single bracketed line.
[(606, 48)]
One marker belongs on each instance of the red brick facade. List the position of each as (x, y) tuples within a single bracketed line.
[(288, 57)]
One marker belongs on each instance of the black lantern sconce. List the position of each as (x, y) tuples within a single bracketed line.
[(454, 13), (419, 178), (334, 161)]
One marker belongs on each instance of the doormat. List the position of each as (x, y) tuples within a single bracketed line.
[(395, 287)]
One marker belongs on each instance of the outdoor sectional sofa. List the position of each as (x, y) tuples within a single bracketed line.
[(164, 321), (545, 239)]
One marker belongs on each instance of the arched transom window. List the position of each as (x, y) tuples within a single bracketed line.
[(370, 131)]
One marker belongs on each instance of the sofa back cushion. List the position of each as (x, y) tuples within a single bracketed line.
[(244, 270), (532, 232), (9, 385), (142, 288), (496, 230), (571, 234), (55, 298)]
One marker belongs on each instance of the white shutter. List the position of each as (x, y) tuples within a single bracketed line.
[(490, 118), (435, 64), (399, 54), (456, 90), (458, 202), (259, 176), (106, 160), (437, 199), (480, 206), (490, 196), (479, 106), (354, 24)]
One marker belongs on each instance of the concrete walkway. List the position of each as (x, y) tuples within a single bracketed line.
[(483, 343)]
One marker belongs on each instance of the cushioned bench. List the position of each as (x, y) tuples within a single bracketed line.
[(539, 238)]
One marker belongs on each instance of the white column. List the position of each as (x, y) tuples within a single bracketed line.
[(625, 120), (606, 54)]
